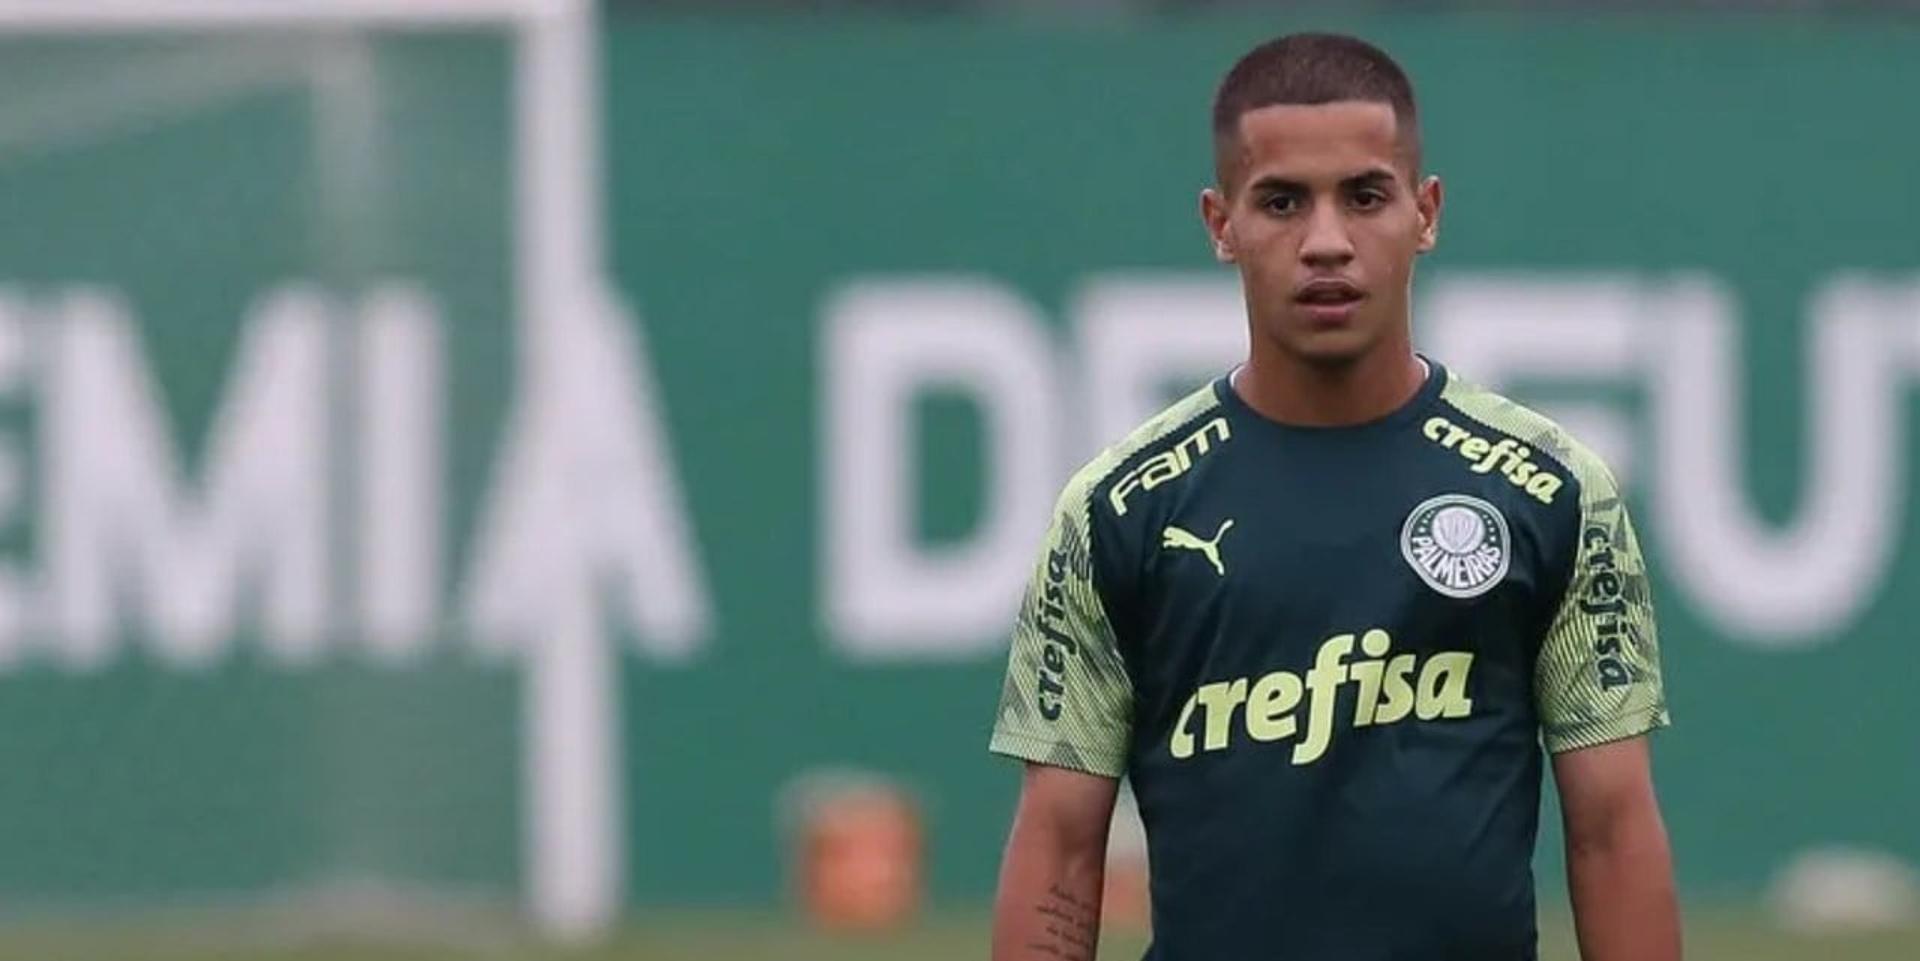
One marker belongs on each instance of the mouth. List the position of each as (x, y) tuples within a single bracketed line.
[(1329, 300)]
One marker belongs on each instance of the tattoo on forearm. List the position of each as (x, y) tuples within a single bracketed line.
[(1073, 926)]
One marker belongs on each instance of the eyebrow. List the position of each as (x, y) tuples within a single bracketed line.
[(1274, 184)]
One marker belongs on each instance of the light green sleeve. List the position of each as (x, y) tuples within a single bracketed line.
[(1067, 700), (1598, 676)]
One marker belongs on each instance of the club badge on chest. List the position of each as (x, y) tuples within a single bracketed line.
[(1458, 544)]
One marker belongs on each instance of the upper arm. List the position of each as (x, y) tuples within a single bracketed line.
[(1602, 788), (1598, 676), (1067, 809), (1067, 700)]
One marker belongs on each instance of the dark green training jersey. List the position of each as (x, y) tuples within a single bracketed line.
[(1328, 659)]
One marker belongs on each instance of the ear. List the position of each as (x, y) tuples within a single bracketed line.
[(1213, 213), (1428, 197)]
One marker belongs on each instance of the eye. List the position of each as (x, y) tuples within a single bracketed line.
[(1281, 204), (1368, 198)]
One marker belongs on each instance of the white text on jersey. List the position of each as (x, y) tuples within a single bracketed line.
[(1169, 464)]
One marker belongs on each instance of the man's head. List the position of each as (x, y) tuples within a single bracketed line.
[(1319, 199)]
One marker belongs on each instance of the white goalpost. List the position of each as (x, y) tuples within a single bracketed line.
[(572, 835)]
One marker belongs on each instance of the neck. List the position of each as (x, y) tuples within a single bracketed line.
[(1293, 390)]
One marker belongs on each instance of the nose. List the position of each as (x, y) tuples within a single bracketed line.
[(1327, 243)]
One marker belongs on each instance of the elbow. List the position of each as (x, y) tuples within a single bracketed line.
[(1076, 844), (1592, 843), (1620, 830)]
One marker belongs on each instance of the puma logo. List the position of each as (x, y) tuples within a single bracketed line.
[(1186, 540)]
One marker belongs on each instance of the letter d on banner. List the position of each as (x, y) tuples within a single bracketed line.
[(887, 595)]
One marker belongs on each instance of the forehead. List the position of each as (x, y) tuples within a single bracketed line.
[(1314, 142)]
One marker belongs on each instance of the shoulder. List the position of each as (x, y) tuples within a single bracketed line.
[(1562, 459), (1162, 447)]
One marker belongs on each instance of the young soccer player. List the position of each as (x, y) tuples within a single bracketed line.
[(1325, 611)]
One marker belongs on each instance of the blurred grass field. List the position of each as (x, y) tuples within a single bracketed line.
[(1711, 936)]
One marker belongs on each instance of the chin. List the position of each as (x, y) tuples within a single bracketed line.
[(1329, 348), (1330, 360)]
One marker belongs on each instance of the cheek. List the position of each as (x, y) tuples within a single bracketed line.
[(1392, 251), (1261, 243), (1267, 267)]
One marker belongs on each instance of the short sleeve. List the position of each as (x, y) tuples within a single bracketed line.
[(1067, 700), (1598, 676)]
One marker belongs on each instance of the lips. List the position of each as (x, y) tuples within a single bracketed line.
[(1327, 292)]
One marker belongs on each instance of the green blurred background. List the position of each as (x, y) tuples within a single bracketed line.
[(460, 480)]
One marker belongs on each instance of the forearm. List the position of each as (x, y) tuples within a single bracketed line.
[(1048, 906), (1623, 896)]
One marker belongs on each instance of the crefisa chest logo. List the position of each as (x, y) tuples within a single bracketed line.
[(1458, 544)]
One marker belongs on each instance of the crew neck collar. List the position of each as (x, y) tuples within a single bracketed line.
[(1430, 389)]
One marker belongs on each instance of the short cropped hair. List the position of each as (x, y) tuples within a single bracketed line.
[(1312, 68)]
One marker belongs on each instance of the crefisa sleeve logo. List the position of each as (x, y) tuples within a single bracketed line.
[(1458, 544), (1059, 642)]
